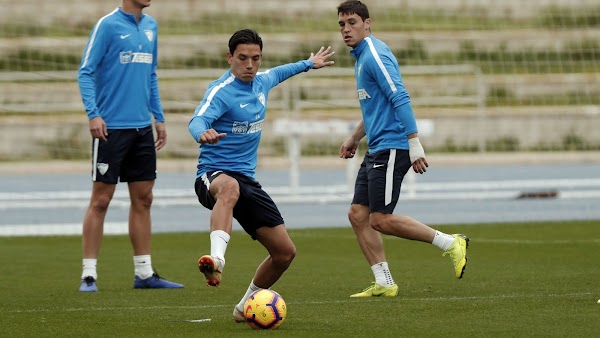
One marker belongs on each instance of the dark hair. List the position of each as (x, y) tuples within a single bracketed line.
[(354, 7), (246, 37)]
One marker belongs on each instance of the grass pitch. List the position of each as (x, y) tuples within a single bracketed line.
[(527, 279)]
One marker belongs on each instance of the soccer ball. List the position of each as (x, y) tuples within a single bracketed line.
[(265, 309)]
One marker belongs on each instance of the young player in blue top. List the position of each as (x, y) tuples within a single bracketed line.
[(119, 88), (389, 124), (228, 125)]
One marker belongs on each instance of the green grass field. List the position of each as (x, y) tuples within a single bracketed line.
[(529, 279)]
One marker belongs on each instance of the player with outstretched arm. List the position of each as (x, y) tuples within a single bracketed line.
[(228, 125)]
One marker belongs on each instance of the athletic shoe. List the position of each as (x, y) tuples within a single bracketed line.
[(212, 269), (458, 254), (88, 284), (238, 315), (154, 282), (376, 290)]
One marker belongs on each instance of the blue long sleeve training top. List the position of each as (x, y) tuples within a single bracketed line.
[(117, 76), (386, 111), (237, 108)]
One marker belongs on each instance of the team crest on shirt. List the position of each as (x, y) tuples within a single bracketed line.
[(149, 34), (261, 98)]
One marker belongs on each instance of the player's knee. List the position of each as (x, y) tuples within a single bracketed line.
[(357, 216), (144, 201), (229, 191), (100, 203), (379, 221), (284, 258)]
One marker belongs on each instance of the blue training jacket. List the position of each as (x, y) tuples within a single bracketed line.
[(117, 76), (237, 108), (386, 111)]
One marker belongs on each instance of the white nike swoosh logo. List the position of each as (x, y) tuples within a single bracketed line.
[(378, 165), (243, 105), (125, 36)]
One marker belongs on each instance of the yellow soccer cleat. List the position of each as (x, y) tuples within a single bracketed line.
[(376, 290), (458, 254), (212, 269)]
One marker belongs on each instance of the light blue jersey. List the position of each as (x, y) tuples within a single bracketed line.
[(237, 109), (117, 76), (387, 115)]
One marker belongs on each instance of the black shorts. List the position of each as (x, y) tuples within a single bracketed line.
[(379, 179), (128, 154), (254, 208)]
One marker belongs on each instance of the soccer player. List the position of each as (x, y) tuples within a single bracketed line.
[(119, 88), (392, 137), (228, 124)]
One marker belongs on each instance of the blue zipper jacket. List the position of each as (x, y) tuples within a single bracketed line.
[(386, 111), (237, 108), (117, 76)]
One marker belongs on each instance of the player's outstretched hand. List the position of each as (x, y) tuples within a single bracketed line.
[(320, 58), (211, 137)]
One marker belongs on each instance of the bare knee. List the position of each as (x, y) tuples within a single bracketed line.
[(284, 258), (143, 201), (380, 222), (100, 203), (358, 215), (228, 192)]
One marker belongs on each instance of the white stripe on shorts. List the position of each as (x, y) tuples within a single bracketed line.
[(205, 181), (389, 177), (95, 158)]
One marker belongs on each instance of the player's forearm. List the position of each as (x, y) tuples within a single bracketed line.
[(359, 131)]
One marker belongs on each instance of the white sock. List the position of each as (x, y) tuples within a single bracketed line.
[(442, 240), (218, 244), (89, 268), (382, 273), (251, 289), (143, 266)]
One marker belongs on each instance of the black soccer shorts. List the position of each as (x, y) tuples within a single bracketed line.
[(379, 179), (254, 208)]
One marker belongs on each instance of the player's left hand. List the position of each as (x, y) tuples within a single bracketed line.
[(417, 155), (161, 135), (319, 59)]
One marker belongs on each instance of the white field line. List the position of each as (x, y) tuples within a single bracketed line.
[(345, 301)]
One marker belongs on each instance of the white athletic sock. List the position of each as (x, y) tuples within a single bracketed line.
[(143, 266), (218, 244), (89, 268), (382, 273), (251, 289), (442, 240)]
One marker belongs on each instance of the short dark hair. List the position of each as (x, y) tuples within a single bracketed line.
[(354, 7), (244, 36)]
